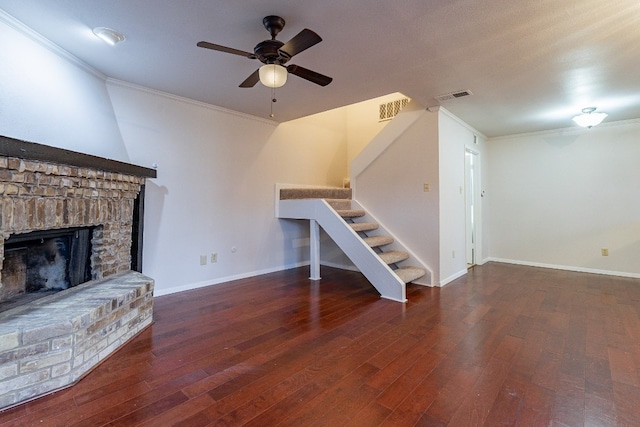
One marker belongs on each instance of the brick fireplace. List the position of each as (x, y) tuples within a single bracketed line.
[(53, 341)]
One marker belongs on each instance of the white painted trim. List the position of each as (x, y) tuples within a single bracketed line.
[(218, 281), (461, 123), (48, 44), (452, 278), (565, 267), (478, 197), (573, 130), (159, 93), (483, 261)]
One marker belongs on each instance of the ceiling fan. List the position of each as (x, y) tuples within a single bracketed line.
[(274, 54)]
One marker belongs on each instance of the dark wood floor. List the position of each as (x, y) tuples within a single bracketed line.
[(504, 345)]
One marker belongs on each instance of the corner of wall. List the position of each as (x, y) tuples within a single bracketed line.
[(389, 134)]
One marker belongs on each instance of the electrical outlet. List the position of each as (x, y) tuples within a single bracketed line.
[(214, 257), (453, 254), (604, 251), (203, 260), (426, 187)]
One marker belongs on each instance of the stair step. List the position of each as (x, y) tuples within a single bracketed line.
[(339, 204), (392, 257), (315, 193), (364, 226), (409, 274), (376, 241), (350, 213)]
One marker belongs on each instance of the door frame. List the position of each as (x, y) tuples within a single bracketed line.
[(472, 205)]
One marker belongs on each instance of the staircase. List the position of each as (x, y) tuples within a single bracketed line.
[(375, 254)]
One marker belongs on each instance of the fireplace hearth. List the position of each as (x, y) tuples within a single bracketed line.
[(70, 298)]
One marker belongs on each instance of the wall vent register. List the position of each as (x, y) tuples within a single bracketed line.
[(391, 109)]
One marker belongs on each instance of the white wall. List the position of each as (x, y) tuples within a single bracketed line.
[(216, 168), (363, 123), (454, 138), (431, 224), (48, 97), (215, 187), (391, 189), (557, 198)]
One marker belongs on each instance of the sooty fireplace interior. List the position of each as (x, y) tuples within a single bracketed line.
[(44, 262)]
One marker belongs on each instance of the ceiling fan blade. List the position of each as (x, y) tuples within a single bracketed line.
[(251, 80), (312, 76), (219, 48), (302, 41)]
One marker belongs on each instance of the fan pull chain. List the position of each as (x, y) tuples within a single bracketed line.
[(273, 100)]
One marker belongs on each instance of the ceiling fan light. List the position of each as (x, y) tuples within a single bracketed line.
[(589, 117), (273, 75), (109, 36)]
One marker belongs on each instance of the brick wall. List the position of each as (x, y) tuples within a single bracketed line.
[(42, 196), (52, 342)]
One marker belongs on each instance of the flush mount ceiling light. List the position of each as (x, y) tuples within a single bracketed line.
[(273, 75), (589, 117), (109, 36)]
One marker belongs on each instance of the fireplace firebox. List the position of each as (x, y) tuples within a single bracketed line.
[(43, 262)]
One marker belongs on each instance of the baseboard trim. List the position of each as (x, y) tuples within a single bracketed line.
[(564, 267), (220, 280), (452, 278)]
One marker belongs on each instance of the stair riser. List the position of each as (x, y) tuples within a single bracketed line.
[(339, 204)]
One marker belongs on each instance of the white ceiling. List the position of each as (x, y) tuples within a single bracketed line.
[(531, 64)]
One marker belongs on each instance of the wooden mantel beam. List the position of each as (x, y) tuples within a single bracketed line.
[(11, 147)]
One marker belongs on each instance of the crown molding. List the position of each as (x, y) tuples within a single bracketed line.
[(570, 130), (48, 44), (460, 121), (121, 83)]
